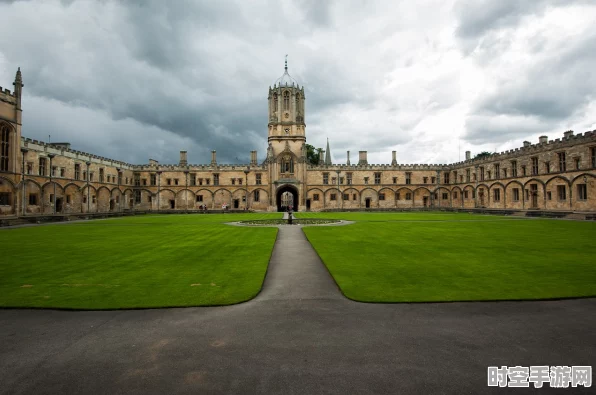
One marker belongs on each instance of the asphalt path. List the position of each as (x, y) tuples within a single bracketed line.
[(298, 336)]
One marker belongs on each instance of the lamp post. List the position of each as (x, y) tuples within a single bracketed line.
[(341, 198), (24, 152), (246, 171), (118, 183), (158, 188), (476, 189), (51, 156), (88, 202), (186, 191)]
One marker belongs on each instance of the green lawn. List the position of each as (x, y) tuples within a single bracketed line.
[(414, 257), (143, 261)]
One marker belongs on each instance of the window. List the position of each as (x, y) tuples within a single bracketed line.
[(489, 175), (215, 179), (333, 180), (256, 196), (315, 197), (516, 194), (84, 175), (326, 178), (377, 178), (547, 167), (465, 194), (200, 181), (258, 179), (467, 175), (455, 195), (346, 196), (137, 178), (425, 180), (577, 163), (90, 176), (455, 176), (513, 168), (349, 178), (4, 147), (84, 198), (562, 166), (126, 180), (199, 198), (445, 196), (481, 173), (144, 181), (54, 171), (504, 173), (287, 164), (240, 181), (169, 181), (473, 194), (549, 195), (582, 192), (433, 179), (446, 177), (4, 199), (42, 166), (137, 196), (153, 179), (561, 192), (119, 177), (62, 172), (233, 181), (534, 166), (524, 171), (408, 196), (397, 196), (286, 100), (408, 178), (29, 167), (341, 180), (333, 196), (497, 195), (395, 180), (100, 175), (67, 198), (77, 172), (354, 197), (366, 180), (207, 181), (176, 181), (497, 171), (275, 102), (94, 199), (381, 196), (593, 156), (461, 178), (33, 199), (149, 198)]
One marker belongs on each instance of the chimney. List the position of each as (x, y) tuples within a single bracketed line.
[(348, 162), (362, 158), (543, 139), (468, 155), (526, 144), (253, 158), (321, 158), (183, 161), (213, 158), (393, 158), (153, 162), (568, 134)]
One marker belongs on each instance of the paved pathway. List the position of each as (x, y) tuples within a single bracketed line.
[(299, 336)]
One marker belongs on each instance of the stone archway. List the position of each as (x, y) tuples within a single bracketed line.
[(282, 198)]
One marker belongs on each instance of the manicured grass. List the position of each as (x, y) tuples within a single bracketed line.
[(143, 261), (414, 257)]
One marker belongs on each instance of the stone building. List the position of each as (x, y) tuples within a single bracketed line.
[(43, 178)]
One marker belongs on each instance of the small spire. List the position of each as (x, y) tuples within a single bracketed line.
[(286, 62), (328, 154), (18, 79)]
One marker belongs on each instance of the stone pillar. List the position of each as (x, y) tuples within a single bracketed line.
[(393, 158), (468, 155), (348, 161), (543, 139), (183, 158), (321, 157), (253, 158), (213, 158), (362, 160)]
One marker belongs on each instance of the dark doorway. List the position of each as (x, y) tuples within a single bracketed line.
[(534, 193), (425, 201), (172, 204), (112, 204), (308, 204), (367, 202), (481, 196), (283, 200), (236, 203), (59, 205)]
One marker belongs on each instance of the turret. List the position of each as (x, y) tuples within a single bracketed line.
[(18, 87)]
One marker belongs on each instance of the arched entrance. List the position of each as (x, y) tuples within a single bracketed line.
[(287, 195)]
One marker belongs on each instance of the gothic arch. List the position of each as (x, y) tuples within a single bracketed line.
[(559, 177)]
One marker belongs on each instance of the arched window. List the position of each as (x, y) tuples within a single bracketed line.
[(275, 102), (298, 104), (4, 146), (286, 100)]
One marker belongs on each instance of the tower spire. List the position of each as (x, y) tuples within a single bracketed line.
[(328, 154)]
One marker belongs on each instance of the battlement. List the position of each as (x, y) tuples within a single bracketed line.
[(373, 167), (543, 145), (61, 149), (199, 167), (7, 96)]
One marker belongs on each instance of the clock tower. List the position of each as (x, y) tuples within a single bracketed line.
[(286, 154)]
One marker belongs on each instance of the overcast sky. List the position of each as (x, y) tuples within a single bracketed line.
[(133, 80)]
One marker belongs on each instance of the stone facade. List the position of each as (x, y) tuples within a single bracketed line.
[(43, 178)]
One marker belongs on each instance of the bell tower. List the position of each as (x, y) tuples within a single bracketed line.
[(286, 154)]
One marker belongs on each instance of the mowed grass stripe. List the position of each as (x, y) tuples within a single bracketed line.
[(450, 261), (145, 261)]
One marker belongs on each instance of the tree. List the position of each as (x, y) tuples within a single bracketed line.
[(483, 155), (312, 155)]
